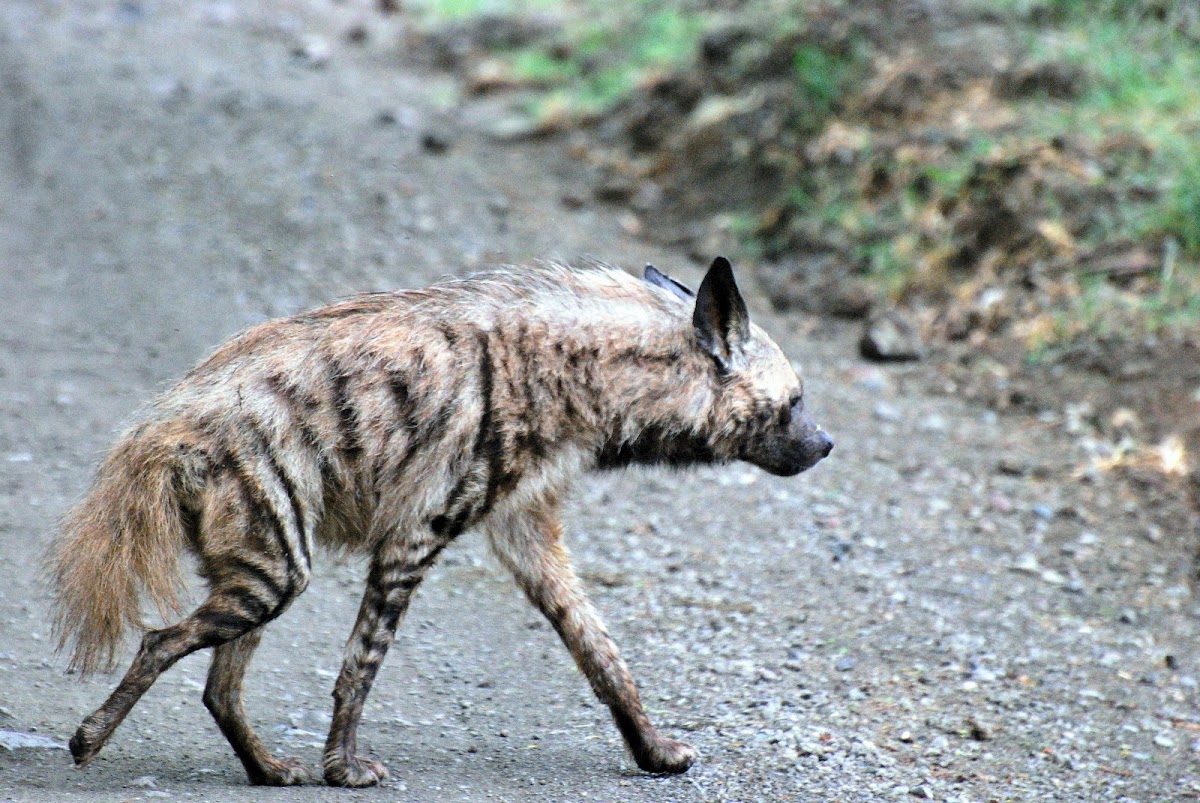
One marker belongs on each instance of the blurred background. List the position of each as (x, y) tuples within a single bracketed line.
[(1008, 191), (1008, 188)]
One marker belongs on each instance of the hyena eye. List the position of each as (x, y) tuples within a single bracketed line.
[(794, 407)]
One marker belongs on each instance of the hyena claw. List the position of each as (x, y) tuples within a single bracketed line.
[(355, 773), (281, 772), (87, 741), (81, 750), (665, 756)]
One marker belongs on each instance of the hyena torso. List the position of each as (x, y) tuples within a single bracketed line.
[(388, 424)]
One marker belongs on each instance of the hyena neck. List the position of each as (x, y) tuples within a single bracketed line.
[(653, 402), (656, 445)]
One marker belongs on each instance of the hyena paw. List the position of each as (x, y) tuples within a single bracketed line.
[(281, 772), (354, 772), (85, 745), (665, 755)]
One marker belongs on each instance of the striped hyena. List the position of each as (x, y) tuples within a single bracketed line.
[(388, 424)]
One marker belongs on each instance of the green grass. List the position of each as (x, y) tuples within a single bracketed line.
[(541, 68), (606, 51), (1147, 84), (822, 77), (441, 10), (598, 64), (1180, 215), (1144, 85)]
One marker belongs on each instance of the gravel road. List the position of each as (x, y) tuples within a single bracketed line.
[(942, 610)]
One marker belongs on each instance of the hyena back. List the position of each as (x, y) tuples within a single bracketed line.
[(388, 424)]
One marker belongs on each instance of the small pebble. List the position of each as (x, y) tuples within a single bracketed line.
[(1052, 577), (1027, 563), (1001, 503), (845, 664), (869, 378), (313, 50), (933, 423), (887, 412), (435, 142)]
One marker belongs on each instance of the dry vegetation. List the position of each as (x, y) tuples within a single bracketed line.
[(1020, 177)]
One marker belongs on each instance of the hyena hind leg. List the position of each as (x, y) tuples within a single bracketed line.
[(532, 549), (394, 575), (234, 607), (223, 698)]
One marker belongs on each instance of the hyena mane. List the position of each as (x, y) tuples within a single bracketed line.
[(389, 423)]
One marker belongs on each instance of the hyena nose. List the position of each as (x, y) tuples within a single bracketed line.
[(826, 443)]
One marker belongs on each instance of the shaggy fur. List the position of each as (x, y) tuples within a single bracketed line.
[(388, 424)]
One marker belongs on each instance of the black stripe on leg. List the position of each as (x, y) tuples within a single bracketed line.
[(289, 490), (265, 579), (486, 452), (221, 626), (249, 603), (404, 566), (260, 515), (488, 447), (405, 422), (285, 482), (347, 415), (407, 584)]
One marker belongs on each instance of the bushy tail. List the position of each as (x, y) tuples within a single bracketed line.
[(122, 540)]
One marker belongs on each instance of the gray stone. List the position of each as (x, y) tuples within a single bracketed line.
[(889, 336)]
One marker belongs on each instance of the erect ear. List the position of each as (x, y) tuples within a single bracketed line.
[(660, 279), (721, 320)]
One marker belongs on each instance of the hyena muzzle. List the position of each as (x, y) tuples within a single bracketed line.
[(388, 424)]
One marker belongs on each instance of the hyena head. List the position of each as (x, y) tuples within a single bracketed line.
[(758, 408)]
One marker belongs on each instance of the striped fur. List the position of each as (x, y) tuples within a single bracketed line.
[(388, 424)]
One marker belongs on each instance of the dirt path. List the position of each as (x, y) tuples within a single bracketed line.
[(938, 611)]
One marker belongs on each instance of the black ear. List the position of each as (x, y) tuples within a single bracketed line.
[(721, 320), (660, 279)]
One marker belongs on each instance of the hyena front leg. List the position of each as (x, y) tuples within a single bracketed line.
[(530, 545), (396, 571), (223, 698)]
